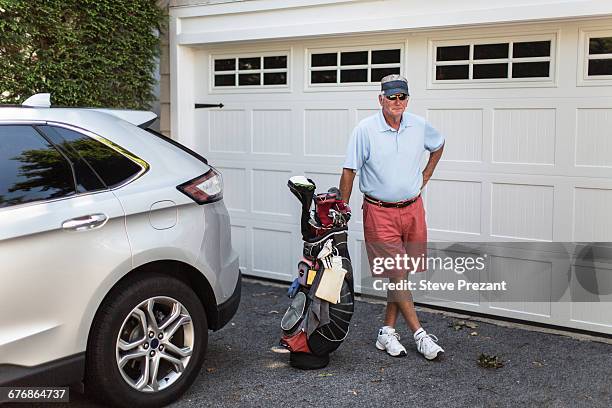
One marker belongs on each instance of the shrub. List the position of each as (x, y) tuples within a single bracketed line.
[(83, 52)]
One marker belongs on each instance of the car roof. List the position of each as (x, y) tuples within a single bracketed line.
[(140, 118), (119, 126)]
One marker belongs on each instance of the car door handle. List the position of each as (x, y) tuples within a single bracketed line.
[(86, 222)]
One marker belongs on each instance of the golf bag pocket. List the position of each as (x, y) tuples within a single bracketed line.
[(294, 314), (298, 343)]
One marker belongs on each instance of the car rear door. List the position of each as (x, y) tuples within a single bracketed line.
[(62, 237)]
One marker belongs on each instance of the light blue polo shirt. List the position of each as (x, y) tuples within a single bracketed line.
[(388, 161)]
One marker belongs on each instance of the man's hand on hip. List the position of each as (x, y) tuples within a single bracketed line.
[(434, 158), (426, 177)]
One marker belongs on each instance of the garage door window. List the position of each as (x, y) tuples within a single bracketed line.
[(250, 71), (352, 66), (493, 61), (599, 59)]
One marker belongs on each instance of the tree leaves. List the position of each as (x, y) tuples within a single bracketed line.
[(84, 52), (489, 361), (460, 324)]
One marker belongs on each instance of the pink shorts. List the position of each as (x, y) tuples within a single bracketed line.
[(399, 234)]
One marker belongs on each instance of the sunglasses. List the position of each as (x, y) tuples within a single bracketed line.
[(401, 97)]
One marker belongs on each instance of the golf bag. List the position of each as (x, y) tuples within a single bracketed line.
[(318, 319)]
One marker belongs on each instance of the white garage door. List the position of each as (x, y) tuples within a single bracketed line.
[(528, 121)]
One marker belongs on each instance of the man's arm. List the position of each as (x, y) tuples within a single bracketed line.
[(346, 183), (434, 158)]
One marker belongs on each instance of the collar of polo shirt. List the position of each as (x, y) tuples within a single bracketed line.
[(384, 126)]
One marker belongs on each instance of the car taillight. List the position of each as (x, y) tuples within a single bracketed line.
[(206, 188)]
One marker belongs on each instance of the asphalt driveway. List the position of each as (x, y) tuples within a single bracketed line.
[(539, 369)]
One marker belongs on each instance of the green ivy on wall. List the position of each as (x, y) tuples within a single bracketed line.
[(84, 52)]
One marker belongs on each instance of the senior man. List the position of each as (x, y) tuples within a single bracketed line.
[(386, 150)]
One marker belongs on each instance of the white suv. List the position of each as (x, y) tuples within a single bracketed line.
[(116, 254)]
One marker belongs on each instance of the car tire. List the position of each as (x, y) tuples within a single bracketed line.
[(118, 325)]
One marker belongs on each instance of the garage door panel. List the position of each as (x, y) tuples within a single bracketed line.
[(524, 136), (592, 220), (270, 195), (326, 132), (454, 205), (229, 131), (273, 253), (272, 131), (533, 298), (594, 137), (463, 129), (591, 290), (592, 314), (522, 211)]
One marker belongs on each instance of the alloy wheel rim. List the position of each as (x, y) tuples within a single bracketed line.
[(155, 344)]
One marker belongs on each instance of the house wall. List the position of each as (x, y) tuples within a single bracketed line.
[(164, 96), (165, 121), (276, 19)]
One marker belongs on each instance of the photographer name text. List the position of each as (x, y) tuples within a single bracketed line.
[(424, 284)]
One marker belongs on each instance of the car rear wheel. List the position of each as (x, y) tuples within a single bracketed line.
[(147, 343)]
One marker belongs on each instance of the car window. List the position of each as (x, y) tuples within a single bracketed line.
[(86, 178), (31, 169), (110, 165)]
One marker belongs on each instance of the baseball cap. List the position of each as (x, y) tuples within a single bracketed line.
[(394, 84)]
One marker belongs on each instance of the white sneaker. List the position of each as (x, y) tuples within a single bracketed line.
[(426, 344), (388, 340)]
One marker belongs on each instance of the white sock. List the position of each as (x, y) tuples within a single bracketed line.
[(419, 333)]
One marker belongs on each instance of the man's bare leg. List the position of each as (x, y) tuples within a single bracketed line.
[(401, 301)]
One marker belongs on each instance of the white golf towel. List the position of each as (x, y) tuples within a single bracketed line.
[(331, 284)]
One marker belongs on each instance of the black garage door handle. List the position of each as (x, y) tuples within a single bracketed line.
[(208, 105)]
